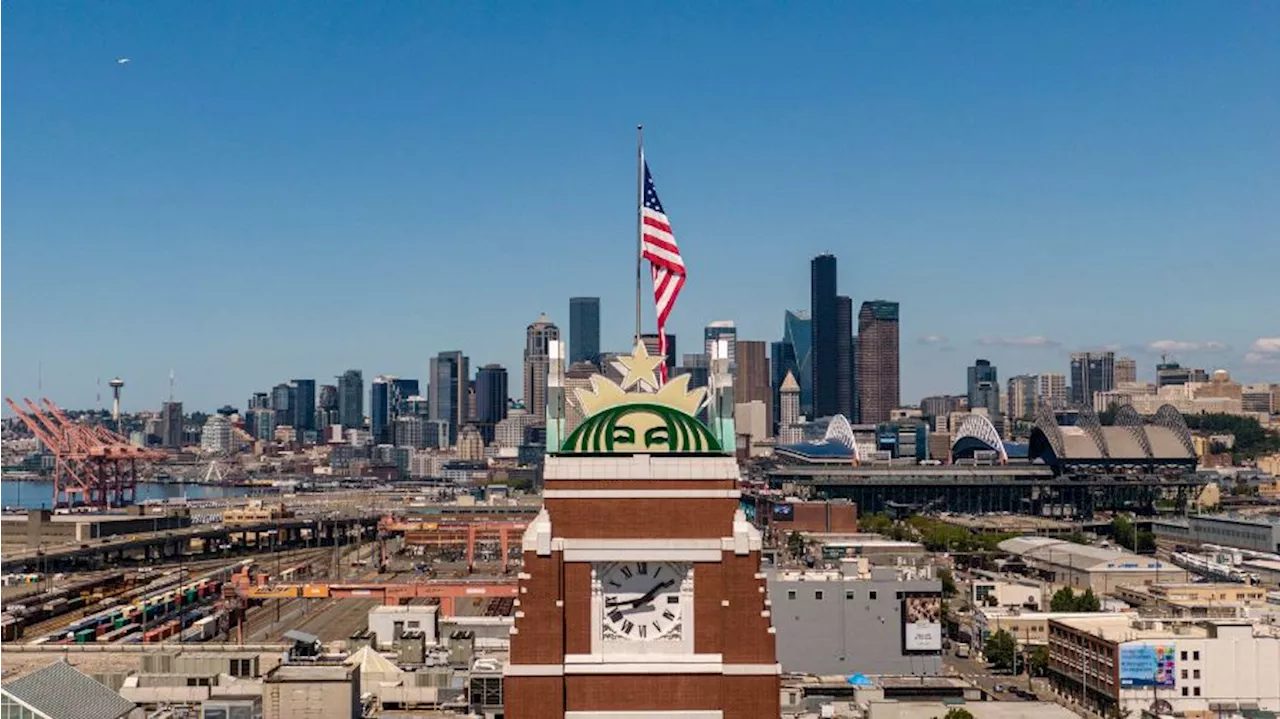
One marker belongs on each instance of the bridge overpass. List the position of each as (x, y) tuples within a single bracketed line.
[(173, 543)]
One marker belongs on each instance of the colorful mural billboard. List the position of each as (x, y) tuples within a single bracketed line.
[(1147, 665)]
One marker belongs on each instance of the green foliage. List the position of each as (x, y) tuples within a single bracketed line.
[(1252, 439), (1064, 600), (958, 713), (1107, 417), (1000, 650), (948, 583), (876, 523), (1039, 661), (795, 544), (1077, 537)]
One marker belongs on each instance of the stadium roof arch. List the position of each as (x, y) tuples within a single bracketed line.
[(1131, 445), (837, 445), (976, 433)]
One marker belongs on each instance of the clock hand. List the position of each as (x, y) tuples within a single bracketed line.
[(644, 598)]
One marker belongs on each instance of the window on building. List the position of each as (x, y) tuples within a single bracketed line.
[(791, 594), (818, 595), (1196, 691), (873, 595), (848, 596), (413, 624), (1195, 655), (1195, 674), (1184, 656), (1185, 692), (1184, 673)]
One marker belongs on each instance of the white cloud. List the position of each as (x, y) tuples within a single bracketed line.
[(933, 340), (1033, 341), (1265, 350), (1186, 346)]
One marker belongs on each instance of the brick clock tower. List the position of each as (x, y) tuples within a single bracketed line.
[(641, 595)]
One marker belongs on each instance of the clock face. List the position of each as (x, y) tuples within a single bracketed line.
[(642, 599)]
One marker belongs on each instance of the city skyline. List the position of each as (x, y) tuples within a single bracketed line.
[(1103, 147)]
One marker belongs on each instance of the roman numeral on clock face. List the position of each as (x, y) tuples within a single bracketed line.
[(668, 615), (626, 571), (642, 567), (644, 631), (615, 616), (627, 626)]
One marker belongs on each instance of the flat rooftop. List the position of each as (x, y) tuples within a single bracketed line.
[(311, 673), (1009, 521), (1123, 628), (979, 710)]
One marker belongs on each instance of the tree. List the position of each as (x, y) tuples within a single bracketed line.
[(1107, 417), (1116, 711), (795, 544), (957, 713), (1123, 532), (1088, 602), (1063, 600), (1039, 662), (1000, 650), (948, 583)]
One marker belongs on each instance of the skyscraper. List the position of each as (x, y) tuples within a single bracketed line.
[(845, 361), (1172, 373), (448, 391), (722, 330), (304, 406), (491, 399), (982, 377), (328, 398), (752, 380), (1022, 396), (351, 399), (797, 332), (171, 425), (876, 375), (698, 367), (283, 402), (984, 391), (789, 431), (826, 336), (380, 409), (537, 362), (1091, 372), (651, 345), (584, 329), (1126, 370)]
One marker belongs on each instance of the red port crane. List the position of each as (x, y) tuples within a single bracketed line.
[(93, 466)]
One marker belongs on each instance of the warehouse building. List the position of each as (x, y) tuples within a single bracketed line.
[(1081, 567)]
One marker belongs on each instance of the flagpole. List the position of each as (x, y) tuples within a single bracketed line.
[(639, 219)]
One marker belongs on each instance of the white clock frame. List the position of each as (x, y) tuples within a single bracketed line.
[(676, 643)]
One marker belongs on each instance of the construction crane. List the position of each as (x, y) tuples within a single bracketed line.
[(93, 466)]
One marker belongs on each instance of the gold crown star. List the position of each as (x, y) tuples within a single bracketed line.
[(641, 368), (605, 393)]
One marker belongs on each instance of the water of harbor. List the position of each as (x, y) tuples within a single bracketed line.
[(38, 493)]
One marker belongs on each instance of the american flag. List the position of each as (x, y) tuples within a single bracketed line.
[(659, 248)]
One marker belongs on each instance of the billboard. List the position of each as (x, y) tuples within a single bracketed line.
[(783, 512), (922, 623), (1146, 665)]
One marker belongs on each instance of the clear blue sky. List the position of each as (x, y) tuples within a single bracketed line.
[(289, 189)]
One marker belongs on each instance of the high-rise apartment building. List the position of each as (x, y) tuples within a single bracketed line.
[(171, 425), (877, 371), (1022, 397), (825, 336), (447, 400), (351, 399), (1051, 389), (846, 388), (216, 437), (1091, 372), (537, 362), (380, 409), (1126, 370), (722, 330), (327, 399), (751, 383), (304, 404), (491, 399), (584, 329), (698, 367)]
